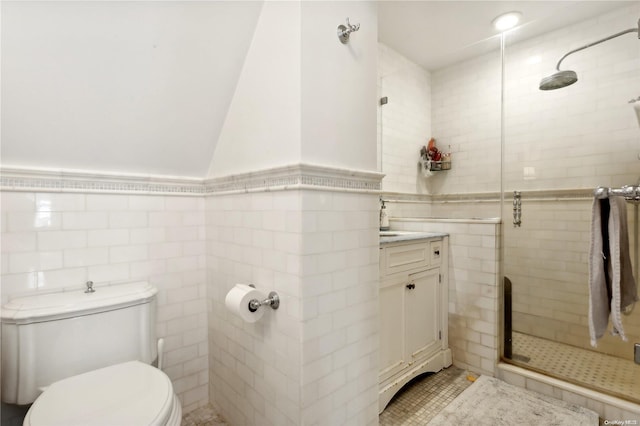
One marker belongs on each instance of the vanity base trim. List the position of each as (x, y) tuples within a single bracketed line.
[(435, 363)]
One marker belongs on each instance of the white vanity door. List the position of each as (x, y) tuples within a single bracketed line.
[(422, 314), (392, 320)]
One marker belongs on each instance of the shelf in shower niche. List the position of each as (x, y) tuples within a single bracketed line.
[(436, 166)]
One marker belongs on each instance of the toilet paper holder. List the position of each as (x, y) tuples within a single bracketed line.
[(273, 300)]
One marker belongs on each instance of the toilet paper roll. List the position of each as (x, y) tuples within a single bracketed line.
[(237, 302)]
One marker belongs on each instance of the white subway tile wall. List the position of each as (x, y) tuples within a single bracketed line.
[(340, 312), (584, 135), (314, 360), (547, 261), (255, 367), (465, 104), (60, 240)]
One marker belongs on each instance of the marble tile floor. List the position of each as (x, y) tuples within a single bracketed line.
[(418, 402), (203, 416), (424, 397)]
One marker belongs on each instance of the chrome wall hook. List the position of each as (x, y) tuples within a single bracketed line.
[(273, 300), (344, 31)]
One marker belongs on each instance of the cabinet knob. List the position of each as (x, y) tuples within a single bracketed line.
[(436, 252), (411, 286)]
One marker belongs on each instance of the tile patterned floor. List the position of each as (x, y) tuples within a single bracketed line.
[(606, 373), (416, 404), (424, 397), (203, 416)]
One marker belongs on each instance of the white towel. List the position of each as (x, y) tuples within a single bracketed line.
[(612, 287)]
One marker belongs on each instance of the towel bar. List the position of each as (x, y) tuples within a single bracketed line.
[(629, 192)]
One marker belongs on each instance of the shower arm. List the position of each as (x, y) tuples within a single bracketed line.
[(630, 30)]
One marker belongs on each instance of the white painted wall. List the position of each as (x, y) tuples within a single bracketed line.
[(262, 126), (137, 87), (338, 103), (303, 96)]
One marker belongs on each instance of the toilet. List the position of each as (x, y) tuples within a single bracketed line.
[(83, 357)]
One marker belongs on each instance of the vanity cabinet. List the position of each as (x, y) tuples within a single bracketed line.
[(413, 311)]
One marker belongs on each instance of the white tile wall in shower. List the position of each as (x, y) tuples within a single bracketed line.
[(586, 134), (314, 359), (547, 261), (61, 240), (579, 137)]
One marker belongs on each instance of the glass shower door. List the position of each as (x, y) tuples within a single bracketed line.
[(560, 145)]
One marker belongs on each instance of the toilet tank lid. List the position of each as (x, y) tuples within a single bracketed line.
[(40, 306)]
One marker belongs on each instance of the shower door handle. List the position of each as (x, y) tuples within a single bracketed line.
[(517, 209)]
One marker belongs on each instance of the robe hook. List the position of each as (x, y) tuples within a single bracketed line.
[(344, 31)]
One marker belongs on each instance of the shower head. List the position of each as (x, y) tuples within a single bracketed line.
[(558, 80), (565, 78)]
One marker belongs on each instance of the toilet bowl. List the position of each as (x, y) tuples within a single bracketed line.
[(131, 393)]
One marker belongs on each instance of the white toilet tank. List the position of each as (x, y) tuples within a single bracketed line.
[(52, 336)]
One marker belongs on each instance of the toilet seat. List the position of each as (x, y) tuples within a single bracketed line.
[(131, 393)]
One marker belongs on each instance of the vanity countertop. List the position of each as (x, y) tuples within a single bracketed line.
[(398, 236)]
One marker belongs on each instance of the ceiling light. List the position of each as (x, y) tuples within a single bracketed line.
[(536, 59), (507, 21)]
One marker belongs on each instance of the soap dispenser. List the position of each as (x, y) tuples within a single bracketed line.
[(384, 219)]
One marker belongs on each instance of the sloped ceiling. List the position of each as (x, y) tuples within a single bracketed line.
[(138, 87), (145, 87)]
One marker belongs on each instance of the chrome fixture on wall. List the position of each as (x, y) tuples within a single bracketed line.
[(517, 209), (567, 77), (273, 300), (344, 31), (629, 192)]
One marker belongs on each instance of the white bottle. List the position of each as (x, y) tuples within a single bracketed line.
[(384, 219)]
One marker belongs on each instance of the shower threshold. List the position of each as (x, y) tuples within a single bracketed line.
[(603, 373)]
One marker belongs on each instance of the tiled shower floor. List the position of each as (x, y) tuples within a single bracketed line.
[(606, 373), (417, 403)]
